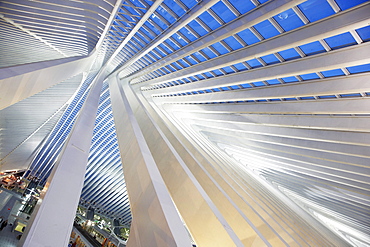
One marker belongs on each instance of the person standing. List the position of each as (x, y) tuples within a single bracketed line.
[(3, 225)]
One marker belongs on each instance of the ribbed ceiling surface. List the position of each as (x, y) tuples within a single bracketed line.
[(278, 87)]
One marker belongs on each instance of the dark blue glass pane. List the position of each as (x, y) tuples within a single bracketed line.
[(165, 14), (228, 70), (290, 99), (316, 9), (240, 66), (200, 77), (154, 17), (245, 85), (364, 33), (217, 72), (334, 72), (310, 76), (233, 43), (327, 97), (199, 57), (183, 63), (289, 79), (289, 54), (191, 60), (270, 59), (209, 20), (242, 6), (288, 20), (216, 89), (209, 75), (351, 95), (178, 38), (151, 27), (224, 12), (248, 37), (275, 100), (234, 87), (341, 40), (266, 29), (258, 84), (225, 89), (170, 43), (273, 82), (220, 48), (187, 34), (346, 4), (312, 48), (254, 63), (359, 68), (305, 98), (197, 28), (174, 7), (208, 52), (189, 3), (165, 48)]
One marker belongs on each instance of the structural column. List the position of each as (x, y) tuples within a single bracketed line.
[(52, 221)]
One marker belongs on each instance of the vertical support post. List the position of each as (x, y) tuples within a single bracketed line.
[(52, 221), (155, 218)]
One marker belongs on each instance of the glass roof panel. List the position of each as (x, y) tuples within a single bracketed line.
[(233, 43), (310, 76), (341, 40), (273, 82), (364, 33), (359, 68), (289, 79), (197, 28), (208, 52), (158, 21), (189, 3), (220, 48), (270, 59), (151, 27), (312, 48), (240, 67), (165, 14), (170, 43), (209, 20), (266, 29), (346, 4), (187, 34), (334, 72), (310, 9), (179, 39), (223, 12), (228, 70), (174, 7), (199, 56), (248, 37), (288, 20), (242, 6), (289, 54), (254, 63)]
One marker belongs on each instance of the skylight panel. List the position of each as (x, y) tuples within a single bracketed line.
[(220, 48), (228, 70), (208, 75), (340, 41), (290, 79), (240, 67), (288, 20), (217, 72), (187, 34), (179, 39), (151, 27), (197, 28), (166, 14), (159, 20), (233, 43), (209, 20), (316, 9), (189, 3), (331, 73), (273, 82), (359, 68), (190, 60), (242, 6), (199, 57), (209, 53), (364, 33), (170, 43), (165, 48), (174, 7), (223, 12), (346, 4), (254, 63), (289, 54), (310, 76), (183, 63), (248, 37), (312, 48), (270, 59), (266, 29)]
